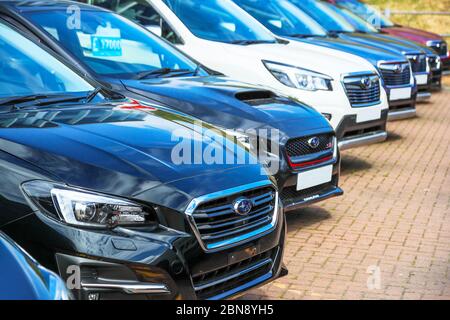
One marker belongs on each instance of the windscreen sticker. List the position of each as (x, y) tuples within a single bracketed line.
[(106, 42)]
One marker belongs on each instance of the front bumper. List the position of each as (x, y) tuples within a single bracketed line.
[(436, 79), (402, 109), (445, 65), (294, 200), (352, 134), (288, 178), (151, 262), (423, 80)]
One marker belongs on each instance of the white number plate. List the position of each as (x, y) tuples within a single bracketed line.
[(314, 177), (422, 79), (400, 94), (369, 114)]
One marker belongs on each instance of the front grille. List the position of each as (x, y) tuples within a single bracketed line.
[(219, 225), (217, 282), (362, 90), (434, 63), (440, 47), (298, 147), (418, 62), (290, 195), (396, 74)]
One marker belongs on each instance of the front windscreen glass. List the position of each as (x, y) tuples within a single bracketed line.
[(358, 23), (219, 20), (366, 12), (112, 45), (327, 18), (282, 17), (26, 69)]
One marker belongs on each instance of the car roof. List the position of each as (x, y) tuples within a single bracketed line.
[(44, 5)]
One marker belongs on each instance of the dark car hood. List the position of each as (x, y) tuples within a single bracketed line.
[(383, 41), (220, 101), (370, 53), (413, 34), (115, 149)]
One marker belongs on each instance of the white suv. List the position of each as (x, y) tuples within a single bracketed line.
[(220, 35)]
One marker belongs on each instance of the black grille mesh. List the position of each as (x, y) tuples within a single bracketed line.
[(299, 146), (209, 284)]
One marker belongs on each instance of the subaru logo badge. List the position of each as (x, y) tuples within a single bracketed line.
[(314, 142), (366, 83), (398, 68), (242, 206)]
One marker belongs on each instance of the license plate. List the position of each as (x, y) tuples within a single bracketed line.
[(400, 94), (368, 115), (422, 79), (244, 254), (314, 177)]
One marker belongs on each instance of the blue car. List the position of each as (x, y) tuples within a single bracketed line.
[(22, 278), (331, 18), (286, 20), (362, 26)]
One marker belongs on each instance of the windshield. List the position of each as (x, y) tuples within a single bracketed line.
[(27, 69), (358, 23), (327, 18), (111, 45), (219, 20), (366, 12), (282, 17)]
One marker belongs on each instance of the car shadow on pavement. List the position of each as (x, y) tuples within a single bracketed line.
[(393, 137), (351, 164), (305, 217)]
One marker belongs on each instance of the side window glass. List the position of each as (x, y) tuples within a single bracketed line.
[(169, 34), (140, 11)]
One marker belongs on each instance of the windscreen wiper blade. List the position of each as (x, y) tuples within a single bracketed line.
[(17, 103), (249, 42), (160, 72), (300, 35), (92, 94), (22, 99)]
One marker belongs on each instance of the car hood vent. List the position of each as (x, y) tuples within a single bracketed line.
[(257, 97)]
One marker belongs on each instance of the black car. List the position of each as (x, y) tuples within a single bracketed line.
[(129, 59), (90, 189)]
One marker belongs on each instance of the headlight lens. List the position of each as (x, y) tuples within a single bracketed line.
[(299, 78), (84, 208)]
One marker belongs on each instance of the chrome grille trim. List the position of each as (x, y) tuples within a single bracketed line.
[(264, 225), (358, 96), (418, 62), (396, 73)]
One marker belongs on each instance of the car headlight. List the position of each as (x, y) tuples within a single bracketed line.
[(84, 208), (299, 78)]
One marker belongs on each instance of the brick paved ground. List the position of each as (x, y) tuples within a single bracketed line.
[(395, 215)]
